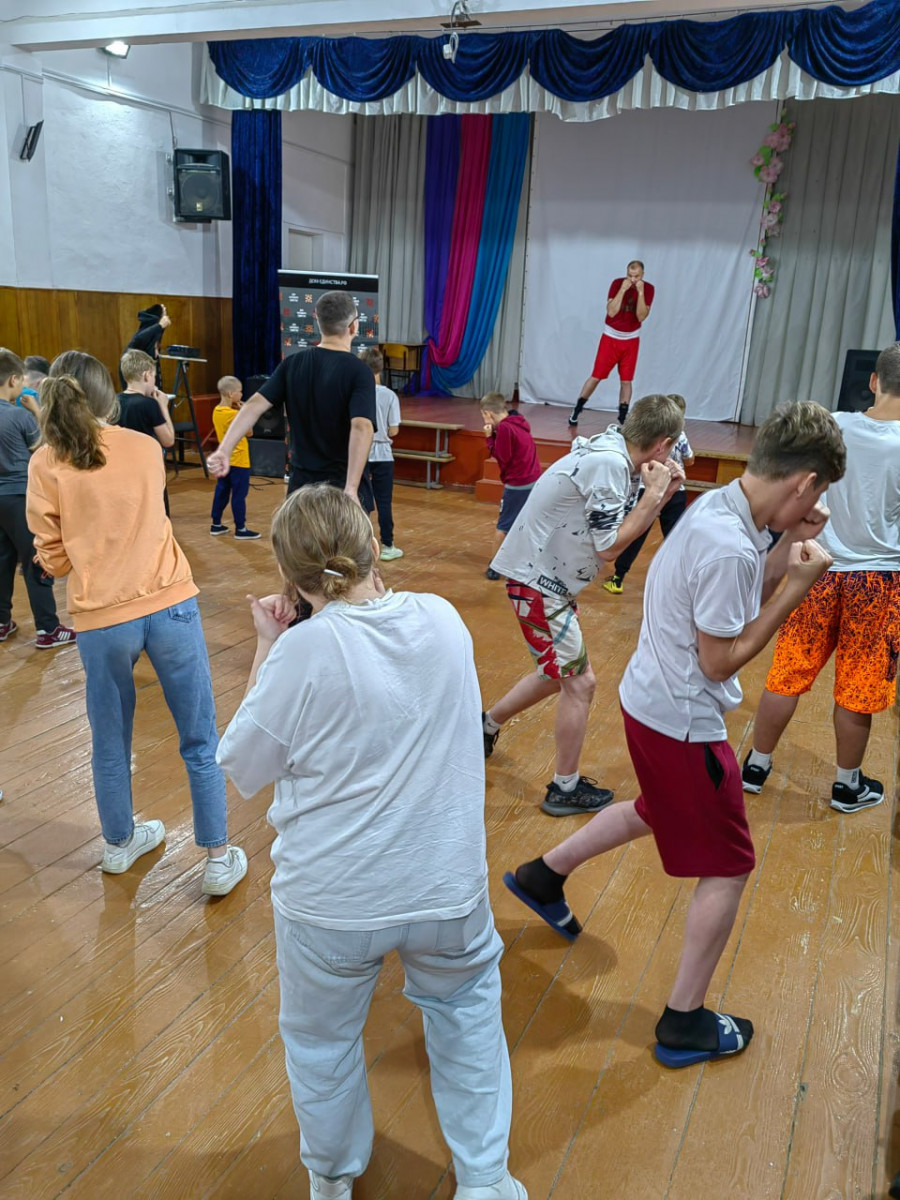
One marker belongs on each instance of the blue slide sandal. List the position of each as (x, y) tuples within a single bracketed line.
[(558, 915), (731, 1041)]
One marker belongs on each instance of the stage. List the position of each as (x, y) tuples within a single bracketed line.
[(721, 448)]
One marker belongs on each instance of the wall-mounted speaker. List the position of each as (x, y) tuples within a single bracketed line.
[(32, 136), (202, 186), (855, 394)]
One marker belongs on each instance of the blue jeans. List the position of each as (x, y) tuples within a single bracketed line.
[(173, 639), (327, 977), (234, 486)]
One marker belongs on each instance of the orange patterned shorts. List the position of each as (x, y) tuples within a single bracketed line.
[(854, 615)]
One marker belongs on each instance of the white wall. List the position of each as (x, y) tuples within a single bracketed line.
[(90, 211)]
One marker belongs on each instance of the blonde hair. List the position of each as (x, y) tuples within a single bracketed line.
[(225, 386), (799, 437), (76, 397), (134, 365), (493, 402), (322, 541), (652, 419)]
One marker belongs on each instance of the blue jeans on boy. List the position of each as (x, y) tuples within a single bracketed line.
[(234, 486), (173, 640), (452, 968), (376, 491)]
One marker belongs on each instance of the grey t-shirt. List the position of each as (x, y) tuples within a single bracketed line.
[(18, 435), (573, 512), (707, 576)]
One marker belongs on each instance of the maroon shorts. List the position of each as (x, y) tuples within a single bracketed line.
[(692, 799), (616, 352)]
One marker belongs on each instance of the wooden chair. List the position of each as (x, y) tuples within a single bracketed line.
[(399, 365)]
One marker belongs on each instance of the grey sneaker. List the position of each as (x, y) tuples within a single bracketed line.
[(586, 797), (144, 838)]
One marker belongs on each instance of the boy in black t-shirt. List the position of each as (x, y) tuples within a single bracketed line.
[(329, 399), (142, 406)]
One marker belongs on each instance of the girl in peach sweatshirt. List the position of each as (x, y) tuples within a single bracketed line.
[(95, 506)]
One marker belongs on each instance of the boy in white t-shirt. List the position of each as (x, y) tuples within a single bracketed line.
[(711, 603), (582, 512), (854, 609), (377, 483)]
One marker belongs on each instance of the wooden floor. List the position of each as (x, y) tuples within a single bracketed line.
[(549, 423), (140, 1054)]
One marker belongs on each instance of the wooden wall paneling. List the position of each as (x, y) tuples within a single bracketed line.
[(9, 319)]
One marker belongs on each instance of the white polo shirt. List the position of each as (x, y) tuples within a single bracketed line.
[(863, 531), (707, 576), (574, 510)]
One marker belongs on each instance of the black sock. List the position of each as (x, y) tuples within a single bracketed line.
[(579, 405), (540, 881), (695, 1030)]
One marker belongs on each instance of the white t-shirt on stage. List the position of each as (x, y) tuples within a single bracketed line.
[(707, 576), (863, 532), (367, 719), (387, 413), (574, 510)]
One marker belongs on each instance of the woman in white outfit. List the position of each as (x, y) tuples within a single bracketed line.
[(366, 718)]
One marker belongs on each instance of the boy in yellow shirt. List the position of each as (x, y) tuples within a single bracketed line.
[(235, 485)]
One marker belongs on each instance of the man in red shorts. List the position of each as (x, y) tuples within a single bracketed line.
[(711, 603), (627, 308), (853, 611)]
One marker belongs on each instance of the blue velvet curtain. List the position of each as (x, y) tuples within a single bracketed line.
[(847, 49), (509, 149), (441, 171), (256, 240), (895, 250)]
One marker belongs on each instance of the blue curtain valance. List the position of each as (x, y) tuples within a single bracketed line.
[(845, 49)]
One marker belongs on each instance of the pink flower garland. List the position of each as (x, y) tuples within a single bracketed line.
[(767, 166)]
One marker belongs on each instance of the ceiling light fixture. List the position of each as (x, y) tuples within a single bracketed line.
[(116, 49)]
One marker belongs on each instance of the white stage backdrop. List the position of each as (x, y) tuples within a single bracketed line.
[(674, 189)]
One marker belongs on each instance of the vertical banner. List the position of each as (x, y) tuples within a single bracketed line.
[(298, 293)]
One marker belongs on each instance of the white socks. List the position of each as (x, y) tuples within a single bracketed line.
[(757, 759), (490, 726), (849, 776), (566, 783)]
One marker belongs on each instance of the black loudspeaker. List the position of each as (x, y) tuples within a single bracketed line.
[(252, 385), (202, 186), (270, 426), (855, 394), (268, 458)]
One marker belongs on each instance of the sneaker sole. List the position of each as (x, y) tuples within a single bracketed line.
[(753, 788), (554, 809), (217, 532), (838, 806), (56, 645)]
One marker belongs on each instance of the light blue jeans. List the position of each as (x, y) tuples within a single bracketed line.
[(173, 640), (327, 978)]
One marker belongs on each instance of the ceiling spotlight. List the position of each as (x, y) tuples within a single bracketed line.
[(116, 49)]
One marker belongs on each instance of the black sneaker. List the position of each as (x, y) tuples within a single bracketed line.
[(753, 778), (573, 420), (846, 799), (490, 739), (246, 535), (623, 413), (586, 797), (490, 573), (216, 530)]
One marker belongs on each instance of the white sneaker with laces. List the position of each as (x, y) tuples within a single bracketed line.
[(144, 838), (223, 874), (321, 1188), (388, 553), (507, 1189)]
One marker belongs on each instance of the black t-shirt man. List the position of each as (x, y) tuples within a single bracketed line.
[(321, 391)]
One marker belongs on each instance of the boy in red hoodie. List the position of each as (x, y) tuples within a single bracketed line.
[(509, 441)]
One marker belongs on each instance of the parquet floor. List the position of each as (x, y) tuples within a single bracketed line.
[(140, 1055)]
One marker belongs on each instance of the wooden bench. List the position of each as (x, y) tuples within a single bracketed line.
[(433, 459)]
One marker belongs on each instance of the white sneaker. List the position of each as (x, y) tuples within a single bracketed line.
[(390, 552), (507, 1189), (222, 874), (146, 837), (321, 1188)]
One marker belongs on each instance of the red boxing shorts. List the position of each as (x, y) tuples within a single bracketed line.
[(693, 801), (550, 627), (616, 352)]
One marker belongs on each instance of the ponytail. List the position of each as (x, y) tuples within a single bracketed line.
[(68, 425)]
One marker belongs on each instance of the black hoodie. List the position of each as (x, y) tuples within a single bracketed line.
[(149, 336)]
